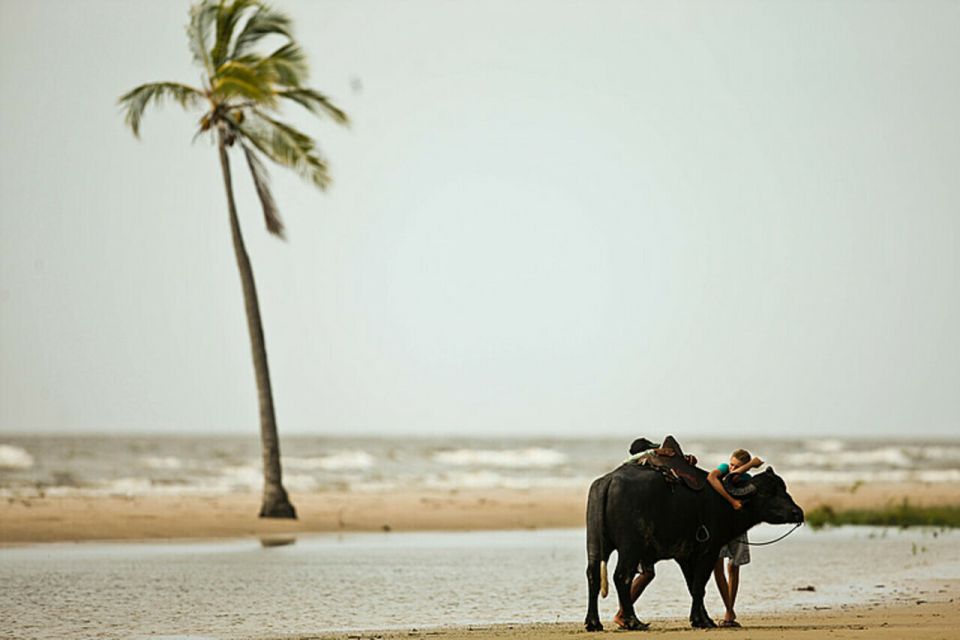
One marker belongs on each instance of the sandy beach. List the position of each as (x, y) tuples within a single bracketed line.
[(922, 606), (458, 584), (81, 518), (933, 620)]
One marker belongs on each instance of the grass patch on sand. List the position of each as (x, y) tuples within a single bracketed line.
[(902, 515)]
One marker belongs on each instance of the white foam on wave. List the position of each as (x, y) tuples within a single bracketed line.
[(531, 457), (336, 461), (12, 457), (486, 479), (851, 476), (162, 462), (238, 479), (942, 453), (884, 457), (830, 445), (249, 478)]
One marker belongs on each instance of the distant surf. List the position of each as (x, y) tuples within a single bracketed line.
[(14, 457), (190, 465)]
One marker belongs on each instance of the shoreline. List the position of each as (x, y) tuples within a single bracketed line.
[(921, 620), (86, 518)]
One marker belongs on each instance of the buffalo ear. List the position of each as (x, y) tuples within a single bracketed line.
[(769, 470)]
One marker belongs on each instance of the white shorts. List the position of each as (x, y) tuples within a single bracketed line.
[(737, 550)]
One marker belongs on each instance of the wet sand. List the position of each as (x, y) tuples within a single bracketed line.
[(925, 621), (327, 584), (62, 519)]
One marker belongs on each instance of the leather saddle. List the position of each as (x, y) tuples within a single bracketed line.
[(668, 459)]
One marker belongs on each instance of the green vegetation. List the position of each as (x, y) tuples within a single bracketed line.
[(902, 515)]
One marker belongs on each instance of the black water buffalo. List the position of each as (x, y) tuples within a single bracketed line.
[(635, 511)]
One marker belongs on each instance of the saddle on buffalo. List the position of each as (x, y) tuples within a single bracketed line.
[(668, 459)]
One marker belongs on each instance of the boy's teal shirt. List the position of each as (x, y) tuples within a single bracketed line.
[(724, 469)]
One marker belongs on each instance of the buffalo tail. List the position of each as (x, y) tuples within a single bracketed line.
[(604, 583)]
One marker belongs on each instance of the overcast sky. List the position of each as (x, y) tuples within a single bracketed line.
[(565, 218)]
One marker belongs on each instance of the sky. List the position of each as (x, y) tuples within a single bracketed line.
[(548, 218)]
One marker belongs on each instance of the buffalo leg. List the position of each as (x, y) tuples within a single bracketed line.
[(623, 578), (592, 622), (696, 571)]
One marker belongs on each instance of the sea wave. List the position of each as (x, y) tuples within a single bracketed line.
[(336, 461), (162, 462), (829, 445), (943, 453), (12, 457), (486, 479), (531, 457), (851, 476), (249, 478), (883, 457), (240, 479)]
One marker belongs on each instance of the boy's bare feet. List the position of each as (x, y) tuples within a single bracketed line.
[(621, 623), (729, 619)]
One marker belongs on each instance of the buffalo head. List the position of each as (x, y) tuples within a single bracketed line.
[(771, 501)]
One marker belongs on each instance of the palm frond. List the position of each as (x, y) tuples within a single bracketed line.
[(286, 146), (263, 22), (315, 102), (228, 16), (288, 64), (135, 102), (202, 17), (261, 180), (235, 79)]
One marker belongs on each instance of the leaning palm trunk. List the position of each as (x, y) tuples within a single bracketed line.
[(275, 501), (241, 92)]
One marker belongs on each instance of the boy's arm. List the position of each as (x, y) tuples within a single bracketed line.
[(753, 464), (714, 479)]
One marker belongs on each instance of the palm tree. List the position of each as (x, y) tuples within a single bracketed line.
[(241, 90)]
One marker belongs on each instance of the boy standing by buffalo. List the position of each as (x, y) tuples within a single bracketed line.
[(736, 550)]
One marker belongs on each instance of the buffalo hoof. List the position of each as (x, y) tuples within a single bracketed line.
[(703, 623), (593, 625), (634, 624)]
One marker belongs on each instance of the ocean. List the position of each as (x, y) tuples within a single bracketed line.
[(199, 465)]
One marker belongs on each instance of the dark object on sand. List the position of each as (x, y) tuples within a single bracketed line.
[(631, 510), (277, 540), (809, 587)]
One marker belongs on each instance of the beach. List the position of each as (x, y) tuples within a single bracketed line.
[(925, 621), (418, 538), (59, 488), (144, 517), (326, 584)]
